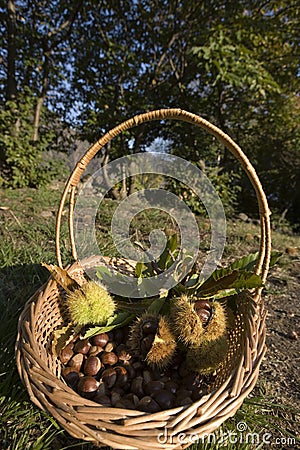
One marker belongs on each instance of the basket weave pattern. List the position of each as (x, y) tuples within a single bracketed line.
[(131, 429)]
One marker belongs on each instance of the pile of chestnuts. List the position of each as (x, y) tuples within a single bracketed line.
[(105, 370)]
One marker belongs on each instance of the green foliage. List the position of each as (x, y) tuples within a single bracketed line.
[(120, 319), (230, 284), (225, 184), (223, 282), (245, 264), (227, 60), (22, 159), (235, 63)]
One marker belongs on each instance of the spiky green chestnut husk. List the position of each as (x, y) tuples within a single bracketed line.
[(185, 322), (188, 326), (91, 304), (136, 333), (163, 347), (217, 326), (205, 358)]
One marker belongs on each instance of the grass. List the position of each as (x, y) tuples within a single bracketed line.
[(27, 235)]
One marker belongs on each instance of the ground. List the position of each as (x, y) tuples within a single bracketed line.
[(279, 374), (280, 369), (27, 223)]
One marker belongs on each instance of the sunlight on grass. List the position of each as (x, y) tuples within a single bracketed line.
[(27, 239)]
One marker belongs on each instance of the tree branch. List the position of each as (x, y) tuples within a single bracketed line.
[(66, 24)]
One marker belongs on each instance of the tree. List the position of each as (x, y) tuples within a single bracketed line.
[(35, 37), (235, 63), (221, 60)]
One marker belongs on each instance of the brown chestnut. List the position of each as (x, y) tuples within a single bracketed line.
[(147, 376), (82, 346), (164, 398), (76, 362), (202, 304), (204, 316), (95, 350), (92, 366), (87, 387), (100, 339), (132, 397), (115, 397), (71, 377), (109, 377), (109, 346), (137, 386), (182, 394), (146, 343), (125, 404), (153, 386), (171, 386), (102, 399), (204, 311), (150, 327), (184, 402), (122, 353), (138, 365), (108, 358), (118, 390), (122, 376), (148, 404), (67, 353), (102, 389), (130, 370)]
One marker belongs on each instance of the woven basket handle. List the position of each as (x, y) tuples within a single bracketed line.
[(175, 114)]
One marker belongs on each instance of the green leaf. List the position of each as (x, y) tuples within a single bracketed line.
[(235, 281), (120, 319), (212, 286), (247, 280), (103, 273), (246, 263), (173, 242), (223, 294), (192, 281), (156, 305), (114, 280), (166, 256), (275, 255), (62, 336), (140, 268), (136, 307)]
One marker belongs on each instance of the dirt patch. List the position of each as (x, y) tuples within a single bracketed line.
[(280, 368)]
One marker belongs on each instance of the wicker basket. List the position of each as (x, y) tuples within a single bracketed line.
[(131, 429)]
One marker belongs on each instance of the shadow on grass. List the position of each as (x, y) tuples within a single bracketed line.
[(22, 424)]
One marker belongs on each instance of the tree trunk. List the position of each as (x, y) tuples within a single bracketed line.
[(49, 43), (11, 87), (41, 98), (115, 193)]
